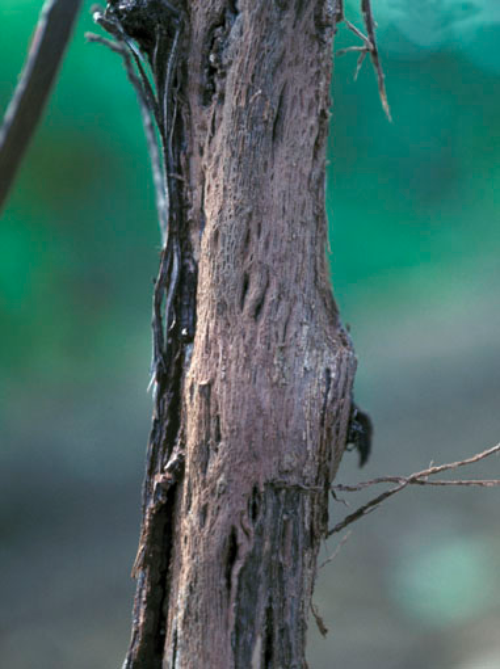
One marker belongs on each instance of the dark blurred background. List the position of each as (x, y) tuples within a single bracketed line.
[(414, 210)]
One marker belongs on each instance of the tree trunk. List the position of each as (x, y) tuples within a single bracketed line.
[(252, 414)]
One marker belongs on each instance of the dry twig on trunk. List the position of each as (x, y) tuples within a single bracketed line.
[(418, 478)]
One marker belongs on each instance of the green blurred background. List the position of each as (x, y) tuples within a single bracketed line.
[(414, 210)]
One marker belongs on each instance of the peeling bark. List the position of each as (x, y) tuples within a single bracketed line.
[(256, 408)]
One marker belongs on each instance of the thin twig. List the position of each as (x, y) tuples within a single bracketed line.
[(359, 64), (337, 550), (368, 45), (146, 105), (47, 48), (366, 10), (480, 483), (431, 471), (365, 509), (320, 623), (370, 48), (418, 478), (349, 49)]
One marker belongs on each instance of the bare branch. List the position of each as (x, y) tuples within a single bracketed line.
[(320, 623), (367, 44), (365, 509), (337, 550), (369, 47), (370, 31), (480, 483), (418, 478), (25, 109), (359, 64), (350, 49)]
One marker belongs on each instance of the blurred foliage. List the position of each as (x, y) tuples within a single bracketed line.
[(423, 191), (411, 200), (445, 582)]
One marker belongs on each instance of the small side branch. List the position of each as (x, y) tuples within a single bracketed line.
[(25, 109), (369, 47), (418, 478), (369, 21)]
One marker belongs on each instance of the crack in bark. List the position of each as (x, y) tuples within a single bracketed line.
[(260, 300), (245, 284), (328, 383), (203, 515), (174, 649), (268, 638), (278, 124), (231, 558), (217, 431), (215, 65), (254, 505)]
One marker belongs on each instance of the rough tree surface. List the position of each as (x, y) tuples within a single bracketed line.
[(251, 420)]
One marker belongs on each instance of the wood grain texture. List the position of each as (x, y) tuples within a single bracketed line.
[(267, 393)]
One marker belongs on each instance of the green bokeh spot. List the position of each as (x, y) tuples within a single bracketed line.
[(444, 584)]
